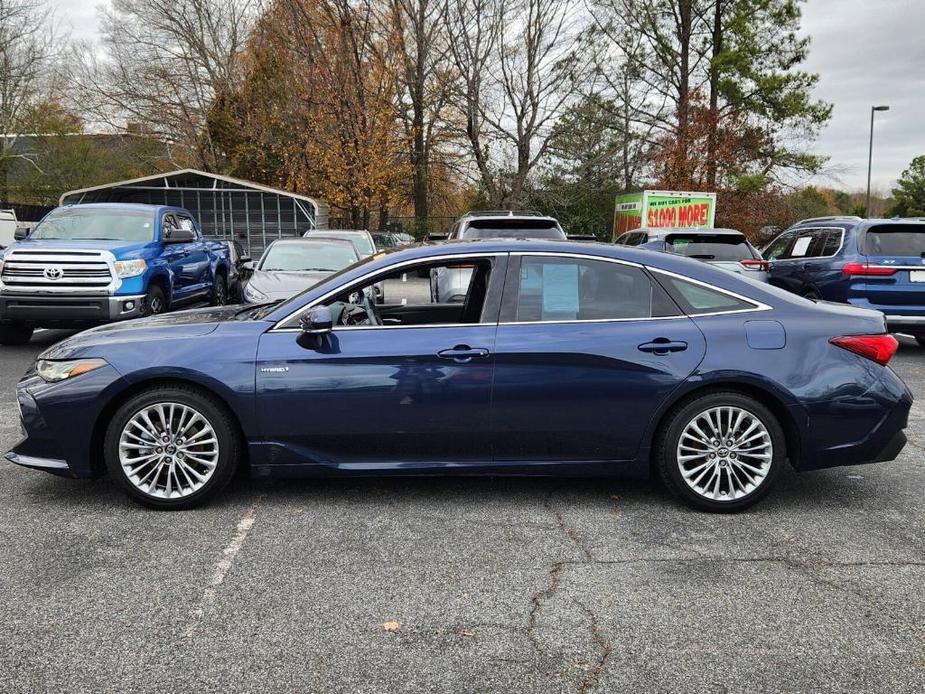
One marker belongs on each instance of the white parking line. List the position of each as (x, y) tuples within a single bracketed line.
[(221, 569)]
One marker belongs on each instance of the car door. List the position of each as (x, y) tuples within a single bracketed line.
[(398, 395), (781, 271), (175, 257), (197, 262), (587, 351)]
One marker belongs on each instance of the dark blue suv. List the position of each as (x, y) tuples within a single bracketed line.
[(873, 263)]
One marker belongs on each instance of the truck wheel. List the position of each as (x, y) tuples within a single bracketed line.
[(155, 302), (219, 291), (15, 334)]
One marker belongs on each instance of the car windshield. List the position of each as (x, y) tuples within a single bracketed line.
[(513, 229), (363, 243), (706, 247), (896, 239), (307, 257), (105, 225)]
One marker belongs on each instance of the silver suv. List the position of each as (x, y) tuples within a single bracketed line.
[(451, 284)]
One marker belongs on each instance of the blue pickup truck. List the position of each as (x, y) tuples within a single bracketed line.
[(84, 265)]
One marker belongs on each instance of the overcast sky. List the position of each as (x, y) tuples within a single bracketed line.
[(866, 52)]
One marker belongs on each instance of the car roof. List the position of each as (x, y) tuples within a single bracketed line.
[(665, 231), (320, 241), (333, 233), (506, 214)]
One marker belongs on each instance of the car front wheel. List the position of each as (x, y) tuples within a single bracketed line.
[(172, 447), (721, 451)]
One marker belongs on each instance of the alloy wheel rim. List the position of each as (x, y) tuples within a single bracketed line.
[(168, 450), (725, 453), (220, 294), (156, 305)]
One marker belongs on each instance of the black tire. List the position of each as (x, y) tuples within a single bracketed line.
[(666, 446), (15, 334), (219, 296), (216, 415), (154, 302)]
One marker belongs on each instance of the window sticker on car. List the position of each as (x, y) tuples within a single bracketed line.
[(801, 246), (560, 291)]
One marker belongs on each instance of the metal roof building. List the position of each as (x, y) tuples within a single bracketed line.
[(227, 208)]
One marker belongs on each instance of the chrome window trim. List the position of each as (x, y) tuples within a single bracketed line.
[(278, 326), (803, 258), (758, 305)]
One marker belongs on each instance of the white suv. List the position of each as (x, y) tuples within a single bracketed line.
[(451, 284)]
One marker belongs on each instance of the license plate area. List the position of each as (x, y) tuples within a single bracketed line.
[(917, 275)]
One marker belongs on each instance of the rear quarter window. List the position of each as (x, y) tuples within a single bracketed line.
[(697, 299)]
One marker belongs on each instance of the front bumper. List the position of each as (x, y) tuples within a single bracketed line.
[(51, 310), (61, 422)]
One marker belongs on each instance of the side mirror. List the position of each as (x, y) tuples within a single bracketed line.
[(246, 261), (20, 233), (318, 321)]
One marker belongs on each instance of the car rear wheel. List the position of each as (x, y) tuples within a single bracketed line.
[(15, 334), (219, 291), (720, 451), (172, 447)]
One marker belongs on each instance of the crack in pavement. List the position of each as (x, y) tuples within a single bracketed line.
[(590, 679)]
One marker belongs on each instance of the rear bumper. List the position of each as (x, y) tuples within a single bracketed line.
[(64, 310), (883, 442), (896, 322)]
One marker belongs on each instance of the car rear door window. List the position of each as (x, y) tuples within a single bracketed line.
[(569, 289), (779, 247)]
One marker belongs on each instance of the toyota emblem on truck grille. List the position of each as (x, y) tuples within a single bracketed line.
[(53, 273)]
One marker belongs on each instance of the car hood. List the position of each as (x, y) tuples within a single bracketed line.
[(176, 325), (89, 244), (282, 285)]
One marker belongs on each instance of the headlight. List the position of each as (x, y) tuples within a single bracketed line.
[(253, 294), (130, 268), (53, 371)]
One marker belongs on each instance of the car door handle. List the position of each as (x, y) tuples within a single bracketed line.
[(662, 345), (463, 353)]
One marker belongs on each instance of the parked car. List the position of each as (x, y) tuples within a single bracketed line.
[(451, 284), (874, 263), (564, 358), (289, 266), (362, 239), (727, 249), (89, 264), (238, 270), (8, 226), (388, 239)]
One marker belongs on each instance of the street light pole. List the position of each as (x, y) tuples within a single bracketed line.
[(870, 154)]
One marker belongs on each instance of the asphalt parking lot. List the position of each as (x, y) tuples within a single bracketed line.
[(464, 585)]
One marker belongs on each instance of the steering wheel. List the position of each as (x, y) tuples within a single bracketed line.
[(370, 307)]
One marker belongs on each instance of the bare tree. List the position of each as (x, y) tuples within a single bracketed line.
[(27, 54), (519, 64), (419, 31), (164, 62)]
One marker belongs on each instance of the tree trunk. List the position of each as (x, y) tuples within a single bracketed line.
[(713, 125)]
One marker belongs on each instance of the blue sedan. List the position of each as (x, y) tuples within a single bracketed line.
[(563, 358)]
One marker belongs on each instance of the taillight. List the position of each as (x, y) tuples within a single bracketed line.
[(754, 264), (879, 348), (867, 270)]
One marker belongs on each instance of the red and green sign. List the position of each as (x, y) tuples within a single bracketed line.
[(663, 208)]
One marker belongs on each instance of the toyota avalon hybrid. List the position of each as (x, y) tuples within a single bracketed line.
[(562, 358)]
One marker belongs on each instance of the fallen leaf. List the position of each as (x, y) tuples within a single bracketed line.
[(391, 626)]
